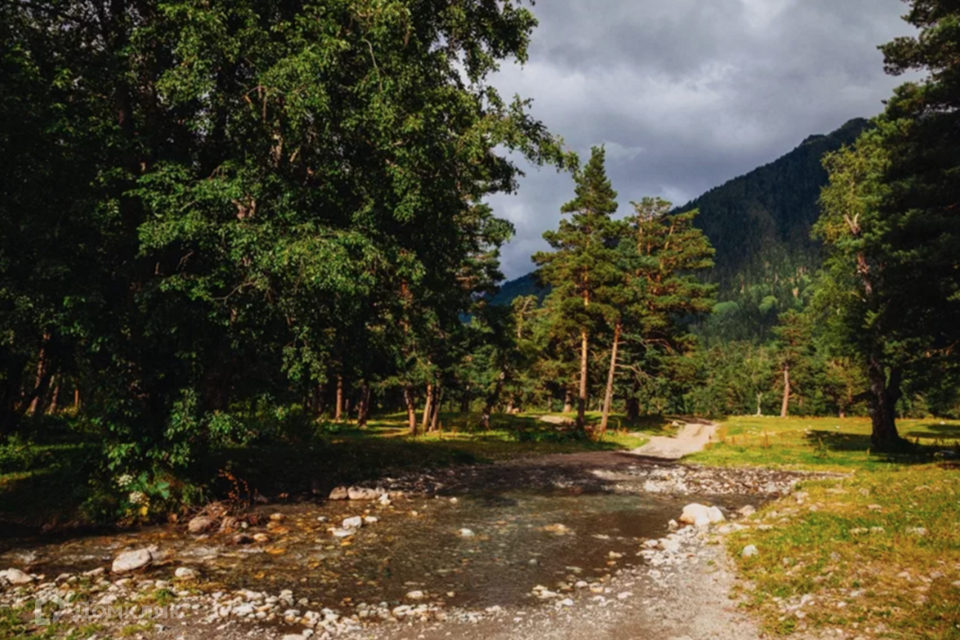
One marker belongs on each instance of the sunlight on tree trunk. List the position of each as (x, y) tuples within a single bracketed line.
[(608, 398)]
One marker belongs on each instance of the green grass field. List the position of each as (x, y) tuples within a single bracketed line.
[(821, 443), (872, 554)]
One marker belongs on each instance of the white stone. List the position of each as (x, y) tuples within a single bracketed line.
[(371, 520), (415, 595), (132, 560), (701, 516), (201, 524), (353, 523), (466, 533), (363, 494), (185, 573), (343, 533), (15, 577), (750, 551), (340, 493)]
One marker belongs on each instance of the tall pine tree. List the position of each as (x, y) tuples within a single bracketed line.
[(583, 261)]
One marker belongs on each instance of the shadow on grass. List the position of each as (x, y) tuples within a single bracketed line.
[(915, 452), (46, 485), (936, 430), (354, 456)]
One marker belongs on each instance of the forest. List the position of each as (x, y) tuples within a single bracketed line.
[(235, 222)]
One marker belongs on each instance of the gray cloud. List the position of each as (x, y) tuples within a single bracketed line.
[(687, 94)]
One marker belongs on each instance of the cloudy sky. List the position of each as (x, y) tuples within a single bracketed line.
[(687, 94)]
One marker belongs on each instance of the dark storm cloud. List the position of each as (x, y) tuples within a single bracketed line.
[(687, 94)]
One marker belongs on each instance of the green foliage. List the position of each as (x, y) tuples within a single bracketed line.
[(211, 204)]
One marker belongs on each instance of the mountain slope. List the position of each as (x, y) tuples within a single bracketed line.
[(769, 212), (759, 223)]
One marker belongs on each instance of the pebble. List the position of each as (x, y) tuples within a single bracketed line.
[(750, 551), (132, 560), (466, 533), (15, 577), (185, 573)]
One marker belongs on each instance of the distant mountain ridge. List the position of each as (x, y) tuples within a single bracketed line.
[(771, 209), (762, 215)]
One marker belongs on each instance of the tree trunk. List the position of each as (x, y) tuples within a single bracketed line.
[(76, 399), (785, 407), (427, 408), (884, 394), (759, 405), (465, 401), (411, 410), (41, 367), (52, 407), (338, 411), (363, 415), (438, 399), (491, 401), (608, 398), (567, 400), (582, 398)]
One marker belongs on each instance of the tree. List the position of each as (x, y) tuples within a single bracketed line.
[(263, 188), (891, 220), (583, 261), (661, 291), (792, 347)]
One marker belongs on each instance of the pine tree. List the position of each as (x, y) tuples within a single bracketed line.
[(891, 218), (583, 261), (662, 292)]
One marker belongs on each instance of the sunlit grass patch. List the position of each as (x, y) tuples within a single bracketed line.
[(835, 444), (875, 555)]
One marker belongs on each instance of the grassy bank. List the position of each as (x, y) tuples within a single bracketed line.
[(873, 554), (46, 483), (822, 443)]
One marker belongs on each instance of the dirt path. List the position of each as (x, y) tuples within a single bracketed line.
[(693, 437)]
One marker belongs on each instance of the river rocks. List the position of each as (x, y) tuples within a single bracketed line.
[(201, 524), (343, 533), (699, 515), (362, 494), (750, 551), (277, 517), (416, 595), (358, 494), (747, 511), (242, 539), (353, 523), (261, 538), (558, 529), (466, 533), (370, 520), (339, 493), (15, 577), (132, 560), (185, 573)]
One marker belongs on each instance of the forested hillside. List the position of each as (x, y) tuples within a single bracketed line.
[(760, 225), (768, 213)]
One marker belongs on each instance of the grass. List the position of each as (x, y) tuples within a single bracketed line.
[(873, 554), (825, 444), (45, 484)]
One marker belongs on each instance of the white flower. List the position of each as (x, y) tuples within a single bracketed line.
[(138, 497), (125, 480)]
